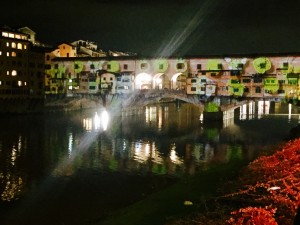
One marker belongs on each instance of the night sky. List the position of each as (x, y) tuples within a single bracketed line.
[(163, 27)]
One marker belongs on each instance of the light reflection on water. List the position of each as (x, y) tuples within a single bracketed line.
[(164, 139)]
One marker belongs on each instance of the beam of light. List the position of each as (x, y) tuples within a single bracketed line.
[(183, 30)]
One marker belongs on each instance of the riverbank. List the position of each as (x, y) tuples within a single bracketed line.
[(180, 201), (233, 193)]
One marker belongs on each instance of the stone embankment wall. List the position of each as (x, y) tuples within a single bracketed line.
[(66, 104)]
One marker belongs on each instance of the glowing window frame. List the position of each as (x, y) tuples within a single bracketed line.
[(19, 46)]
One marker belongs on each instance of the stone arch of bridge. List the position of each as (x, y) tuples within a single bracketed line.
[(143, 81), (178, 81), (161, 81)]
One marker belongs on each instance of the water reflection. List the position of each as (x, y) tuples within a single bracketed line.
[(161, 140)]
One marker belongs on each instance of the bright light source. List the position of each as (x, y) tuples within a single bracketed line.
[(104, 120), (96, 121)]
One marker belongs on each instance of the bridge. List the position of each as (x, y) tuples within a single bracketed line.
[(213, 106)]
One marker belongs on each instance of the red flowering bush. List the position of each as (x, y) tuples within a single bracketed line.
[(253, 215), (272, 182)]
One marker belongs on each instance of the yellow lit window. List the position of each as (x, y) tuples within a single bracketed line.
[(0, 53), (4, 34), (13, 45), (7, 72), (7, 44), (20, 46), (0, 82), (19, 83), (25, 83), (18, 36), (13, 54), (7, 53), (11, 35), (25, 46), (14, 73)]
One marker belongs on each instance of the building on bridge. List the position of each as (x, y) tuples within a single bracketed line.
[(250, 76)]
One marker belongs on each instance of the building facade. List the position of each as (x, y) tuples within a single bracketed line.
[(22, 67), (248, 76)]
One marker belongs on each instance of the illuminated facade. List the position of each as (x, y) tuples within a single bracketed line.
[(265, 76), (22, 67)]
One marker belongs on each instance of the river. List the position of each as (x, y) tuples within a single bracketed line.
[(74, 168)]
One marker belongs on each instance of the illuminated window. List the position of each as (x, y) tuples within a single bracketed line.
[(25, 83), (0, 53), (13, 54), (18, 36), (7, 72), (11, 35), (25, 46), (0, 82), (19, 83), (19, 46), (7, 44), (4, 34), (7, 53), (13, 45), (14, 73)]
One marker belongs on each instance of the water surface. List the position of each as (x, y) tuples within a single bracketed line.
[(75, 168)]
